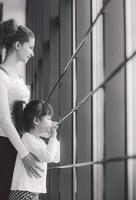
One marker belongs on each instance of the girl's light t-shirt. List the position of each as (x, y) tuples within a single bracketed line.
[(46, 153)]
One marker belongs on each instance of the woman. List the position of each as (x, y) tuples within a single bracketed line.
[(18, 42)]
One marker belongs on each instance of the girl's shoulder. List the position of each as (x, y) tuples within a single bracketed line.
[(27, 136), (30, 140)]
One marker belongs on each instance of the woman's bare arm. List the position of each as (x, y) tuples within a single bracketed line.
[(11, 132)]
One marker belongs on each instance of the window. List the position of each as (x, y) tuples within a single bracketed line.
[(104, 126)]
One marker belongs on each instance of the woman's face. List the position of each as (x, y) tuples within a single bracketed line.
[(25, 50)]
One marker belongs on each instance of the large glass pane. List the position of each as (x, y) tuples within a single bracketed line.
[(83, 83), (115, 107), (84, 186)]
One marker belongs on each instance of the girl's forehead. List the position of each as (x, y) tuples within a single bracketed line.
[(47, 116)]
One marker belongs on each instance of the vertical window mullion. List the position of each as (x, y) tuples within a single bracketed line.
[(98, 101), (130, 84), (74, 100)]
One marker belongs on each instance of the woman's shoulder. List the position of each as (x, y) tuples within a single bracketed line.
[(3, 76)]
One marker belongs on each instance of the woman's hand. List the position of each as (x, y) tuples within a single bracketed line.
[(31, 165)]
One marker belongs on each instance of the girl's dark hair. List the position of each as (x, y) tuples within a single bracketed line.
[(10, 33), (23, 119), (17, 116)]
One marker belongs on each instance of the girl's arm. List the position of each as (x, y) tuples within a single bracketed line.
[(45, 153), (56, 157), (53, 132), (11, 132)]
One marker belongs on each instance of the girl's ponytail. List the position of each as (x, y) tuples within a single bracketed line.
[(7, 31), (17, 115)]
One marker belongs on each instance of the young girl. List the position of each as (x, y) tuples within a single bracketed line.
[(37, 122)]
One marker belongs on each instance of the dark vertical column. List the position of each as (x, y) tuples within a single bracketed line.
[(1, 16), (114, 101), (84, 122), (40, 78), (31, 77), (54, 23), (37, 18), (1, 11), (28, 24), (39, 39), (65, 99), (46, 48)]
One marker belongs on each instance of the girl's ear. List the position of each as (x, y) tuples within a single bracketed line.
[(17, 45), (36, 121)]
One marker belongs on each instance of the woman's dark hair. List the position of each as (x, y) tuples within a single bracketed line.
[(23, 119), (10, 33)]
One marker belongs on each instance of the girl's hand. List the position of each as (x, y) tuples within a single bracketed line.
[(53, 129), (31, 165), (55, 125)]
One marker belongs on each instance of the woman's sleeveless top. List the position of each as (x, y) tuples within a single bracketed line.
[(16, 90)]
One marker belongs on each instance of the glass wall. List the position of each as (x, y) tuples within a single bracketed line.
[(96, 137)]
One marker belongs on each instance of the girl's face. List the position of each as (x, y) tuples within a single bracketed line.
[(25, 50), (45, 124)]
